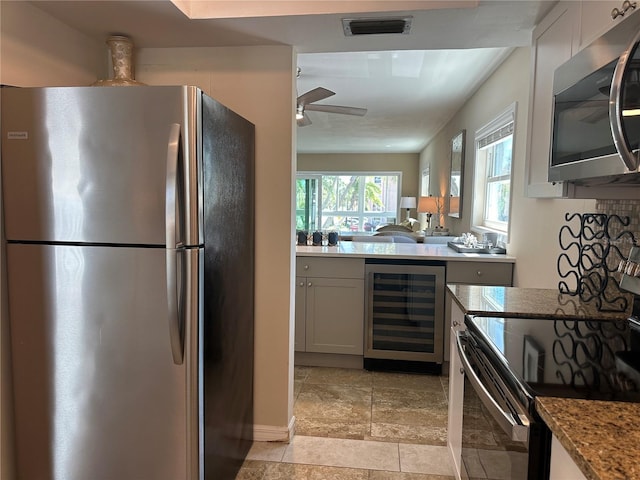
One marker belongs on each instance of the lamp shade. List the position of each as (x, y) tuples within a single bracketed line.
[(408, 202), (454, 204), (428, 205)]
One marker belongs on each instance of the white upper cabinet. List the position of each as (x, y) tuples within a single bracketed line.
[(551, 47), (595, 18)]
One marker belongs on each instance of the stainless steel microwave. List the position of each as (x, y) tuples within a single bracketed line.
[(596, 111)]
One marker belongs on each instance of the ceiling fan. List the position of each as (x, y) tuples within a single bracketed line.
[(306, 100)]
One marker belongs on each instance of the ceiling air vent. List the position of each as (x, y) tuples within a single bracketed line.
[(376, 26)]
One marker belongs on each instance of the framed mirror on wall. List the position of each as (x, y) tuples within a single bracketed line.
[(424, 184), (456, 182)]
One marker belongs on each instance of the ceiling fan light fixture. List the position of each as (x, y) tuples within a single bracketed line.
[(376, 26)]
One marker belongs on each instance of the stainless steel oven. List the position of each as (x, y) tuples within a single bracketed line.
[(500, 438), (508, 362)]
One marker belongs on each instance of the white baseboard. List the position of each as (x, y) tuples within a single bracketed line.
[(271, 433)]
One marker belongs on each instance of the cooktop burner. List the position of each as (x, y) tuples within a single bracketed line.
[(576, 358)]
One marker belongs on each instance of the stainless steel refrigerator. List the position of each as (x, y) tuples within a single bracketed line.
[(129, 225)]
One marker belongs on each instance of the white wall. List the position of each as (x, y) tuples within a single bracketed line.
[(257, 83), (35, 50), (535, 223)]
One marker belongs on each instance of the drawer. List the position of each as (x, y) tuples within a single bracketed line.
[(330, 267), (480, 273)]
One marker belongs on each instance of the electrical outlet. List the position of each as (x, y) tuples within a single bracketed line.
[(630, 269)]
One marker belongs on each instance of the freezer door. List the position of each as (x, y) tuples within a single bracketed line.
[(97, 392), (106, 165)]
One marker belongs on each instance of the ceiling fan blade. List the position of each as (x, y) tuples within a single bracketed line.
[(304, 121), (314, 95), (337, 109)]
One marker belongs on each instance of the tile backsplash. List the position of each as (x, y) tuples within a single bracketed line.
[(630, 209), (623, 208)]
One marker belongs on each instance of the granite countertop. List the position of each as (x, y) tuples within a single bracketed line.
[(410, 251), (514, 302), (600, 436)]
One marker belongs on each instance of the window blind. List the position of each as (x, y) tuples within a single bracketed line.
[(496, 135)]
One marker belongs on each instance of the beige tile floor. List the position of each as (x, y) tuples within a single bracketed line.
[(356, 424)]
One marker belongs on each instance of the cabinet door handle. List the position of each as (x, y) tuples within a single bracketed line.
[(306, 267), (309, 284), (461, 371), (302, 284), (479, 273), (619, 12), (455, 323)]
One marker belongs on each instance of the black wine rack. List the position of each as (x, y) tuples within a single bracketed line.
[(592, 246)]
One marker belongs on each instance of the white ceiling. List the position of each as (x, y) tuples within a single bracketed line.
[(410, 84), (409, 95)]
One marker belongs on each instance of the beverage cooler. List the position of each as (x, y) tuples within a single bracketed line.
[(404, 314)]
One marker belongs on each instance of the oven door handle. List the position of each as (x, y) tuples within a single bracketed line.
[(517, 431)]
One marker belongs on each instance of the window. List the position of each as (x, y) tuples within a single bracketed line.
[(307, 201), (494, 153), (346, 201)]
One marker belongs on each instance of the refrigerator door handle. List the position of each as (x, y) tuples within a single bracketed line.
[(174, 311), (171, 197), (173, 294)]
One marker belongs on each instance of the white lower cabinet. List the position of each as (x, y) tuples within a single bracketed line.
[(329, 305), (330, 302), (562, 465), (456, 391)]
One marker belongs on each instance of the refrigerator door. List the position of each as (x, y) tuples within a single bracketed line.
[(97, 392), (228, 347), (98, 164)]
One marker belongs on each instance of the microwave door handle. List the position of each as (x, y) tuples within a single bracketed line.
[(516, 431), (615, 107)]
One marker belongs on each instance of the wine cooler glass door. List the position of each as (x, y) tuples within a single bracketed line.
[(405, 312)]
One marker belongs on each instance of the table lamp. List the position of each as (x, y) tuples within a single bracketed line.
[(429, 205), (408, 203)]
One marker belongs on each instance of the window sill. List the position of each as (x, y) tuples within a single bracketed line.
[(481, 230)]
